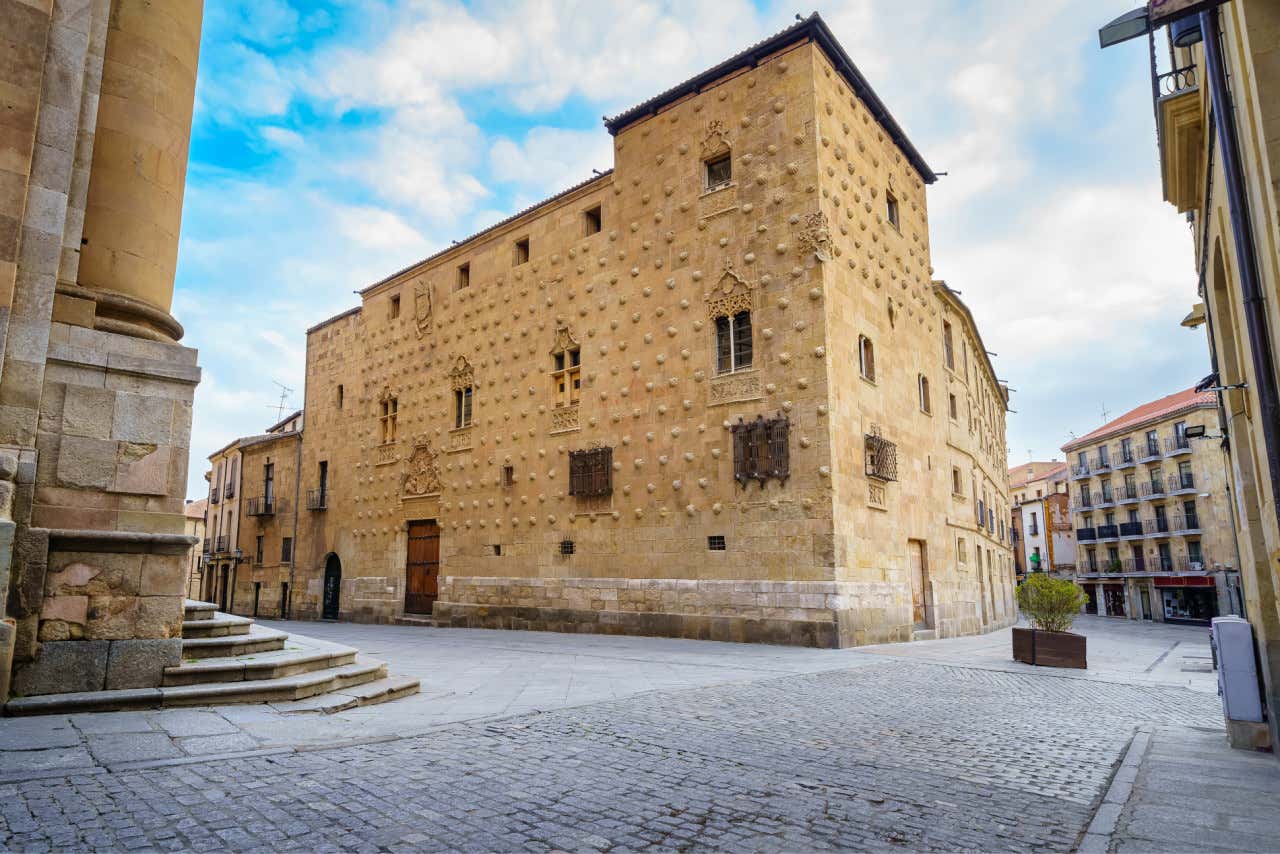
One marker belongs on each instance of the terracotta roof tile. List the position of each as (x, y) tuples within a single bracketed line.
[(1156, 410)]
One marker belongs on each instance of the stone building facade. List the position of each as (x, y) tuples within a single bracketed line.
[(254, 502), (1219, 158), (713, 392), (1152, 513), (95, 391), (195, 514)]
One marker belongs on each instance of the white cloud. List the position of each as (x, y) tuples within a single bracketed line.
[(550, 159)]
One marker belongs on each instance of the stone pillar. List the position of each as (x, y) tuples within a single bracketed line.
[(1102, 600), (134, 208)]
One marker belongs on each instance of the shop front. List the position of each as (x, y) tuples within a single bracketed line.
[(1191, 600), (1113, 599)]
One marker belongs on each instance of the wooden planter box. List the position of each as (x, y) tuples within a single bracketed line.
[(1049, 649)]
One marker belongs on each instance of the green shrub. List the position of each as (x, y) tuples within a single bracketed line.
[(1051, 604)]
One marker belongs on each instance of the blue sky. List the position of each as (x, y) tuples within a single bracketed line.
[(336, 141)]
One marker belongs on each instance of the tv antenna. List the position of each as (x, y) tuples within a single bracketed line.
[(283, 405), (1106, 414)]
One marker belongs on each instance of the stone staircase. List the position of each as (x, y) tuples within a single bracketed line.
[(230, 659)]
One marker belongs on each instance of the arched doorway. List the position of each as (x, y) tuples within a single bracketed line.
[(332, 587)]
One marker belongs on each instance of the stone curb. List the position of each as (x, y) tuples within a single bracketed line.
[(27, 776), (1097, 838)]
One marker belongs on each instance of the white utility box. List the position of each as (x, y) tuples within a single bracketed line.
[(1237, 671)]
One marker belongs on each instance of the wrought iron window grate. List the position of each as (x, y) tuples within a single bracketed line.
[(591, 472), (761, 449), (881, 456)]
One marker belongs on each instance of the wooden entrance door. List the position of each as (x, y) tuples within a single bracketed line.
[(919, 583), (422, 568)]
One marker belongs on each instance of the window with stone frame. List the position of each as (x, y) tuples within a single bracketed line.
[(866, 358), (733, 342), (891, 208), (761, 450), (926, 405), (591, 472), (462, 407), (389, 409), (718, 170)]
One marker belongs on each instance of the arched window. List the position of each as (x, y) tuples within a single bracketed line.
[(925, 406), (866, 358)]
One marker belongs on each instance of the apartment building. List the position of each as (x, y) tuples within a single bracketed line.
[(253, 503), (1043, 536), (1152, 513)]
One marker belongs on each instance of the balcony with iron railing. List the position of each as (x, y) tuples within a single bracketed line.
[(1149, 450), (1080, 470), (1033, 530), (213, 494), (1157, 527), (317, 499), (204, 547), (1152, 489), (1182, 482), (1131, 529), (1179, 444), (1105, 499), (1135, 564), (220, 544), (230, 489), (1126, 493), (1180, 133), (1108, 532), (1184, 563), (1123, 459), (1186, 523), (260, 506), (1084, 499), (1086, 535), (1101, 462)]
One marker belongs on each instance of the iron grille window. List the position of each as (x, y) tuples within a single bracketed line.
[(566, 547), (761, 450), (881, 456), (715, 542), (591, 472)]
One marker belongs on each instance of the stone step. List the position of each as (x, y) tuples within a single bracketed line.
[(257, 666), (219, 625), (195, 610), (284, 689), (924, 634), (383, 690), (258, 639)]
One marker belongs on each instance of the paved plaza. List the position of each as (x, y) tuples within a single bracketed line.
[(528, 741)]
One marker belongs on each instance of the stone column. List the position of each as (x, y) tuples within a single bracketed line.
[(134, 209)]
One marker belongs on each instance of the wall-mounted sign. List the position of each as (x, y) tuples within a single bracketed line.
[(1161, 12)]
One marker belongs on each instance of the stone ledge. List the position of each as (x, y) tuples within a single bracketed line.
[(117, 542)]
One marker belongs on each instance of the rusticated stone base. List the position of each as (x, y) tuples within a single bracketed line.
[(814, 633)]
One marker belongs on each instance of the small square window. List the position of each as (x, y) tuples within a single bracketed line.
[(508, 476), (592, 221), (464, 277), (715, 543), (891, 209), (395, 306), (566, 547), (521, 255), (719, 171), (497, 550)]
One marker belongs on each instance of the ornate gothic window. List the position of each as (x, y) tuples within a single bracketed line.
[(389, 408), (462, 379), (729, 309), (566, 369)]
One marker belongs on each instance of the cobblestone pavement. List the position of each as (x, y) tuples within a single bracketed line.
[(895, 754)]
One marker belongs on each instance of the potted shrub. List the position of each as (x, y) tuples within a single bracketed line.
[(1051, 604)]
